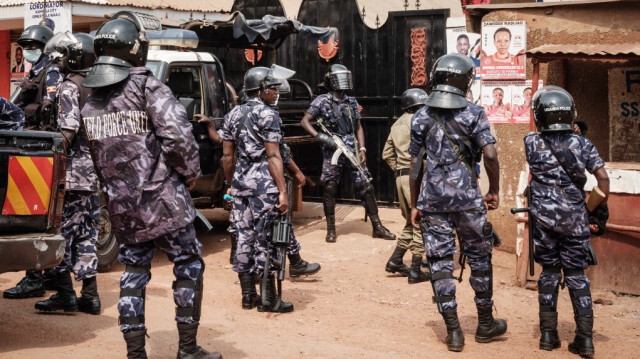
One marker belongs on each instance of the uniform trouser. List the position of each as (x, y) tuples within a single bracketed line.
[(440, 246), (556, 250), (183, 249), (80, 217), (294, 245), (410, 238), (253, 219), (333, 173)]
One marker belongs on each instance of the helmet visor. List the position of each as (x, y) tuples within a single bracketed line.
[(57, 46), (341, 80)]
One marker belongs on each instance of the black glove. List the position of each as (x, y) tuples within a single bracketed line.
[(326, 141), (599, 217)]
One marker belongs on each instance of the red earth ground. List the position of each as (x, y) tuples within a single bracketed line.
[(351, 309)]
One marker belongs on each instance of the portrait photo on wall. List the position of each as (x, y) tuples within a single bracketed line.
[(521, 95), (503, 50), (19, 66), (496, 100), (459, 41)]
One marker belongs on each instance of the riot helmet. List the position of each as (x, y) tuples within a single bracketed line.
[(338, 78), (553, 109), (257, 78), (450, 80), (38, 34), (120, 44), (81, 54), (413, 98)]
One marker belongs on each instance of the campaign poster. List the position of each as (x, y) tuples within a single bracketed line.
[(459, 41), (503, 50), (58, 15), (496, 100), (521, 94), (19, 67), (473, 95)]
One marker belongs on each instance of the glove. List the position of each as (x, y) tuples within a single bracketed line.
[(326, 141), (599, 217)]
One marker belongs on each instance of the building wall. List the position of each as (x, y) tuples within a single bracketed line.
[(586, 80)]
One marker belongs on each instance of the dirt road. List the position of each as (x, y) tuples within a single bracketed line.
[(351, 309)]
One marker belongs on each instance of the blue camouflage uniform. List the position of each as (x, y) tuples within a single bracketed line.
[(561, 232), (11, 116), (335, 113), (253, 188), (81, 209), (53, 79), (450, 200), (144, 153)]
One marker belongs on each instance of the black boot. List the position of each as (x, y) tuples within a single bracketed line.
[(89, 301), (488, 327), (331, 229), (234, 246), (248, 287), (416, 275), (298, 266), (135, 344), (380, 231), (455, 338), (329, 205), (395, 264), (32, 285), (272, 304), (187, 347), (549, 339), (50, 280), (583, 342), (65, 299)]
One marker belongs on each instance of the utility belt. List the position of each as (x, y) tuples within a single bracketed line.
[(254, 160), (402, 172)]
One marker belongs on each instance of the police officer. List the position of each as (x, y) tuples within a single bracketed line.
[(11, 116), (341, 116), (557, 160), (254, 169), (146, 159), (81, 209), (36, 98), (38, 90), (396, 155), (453, 133)]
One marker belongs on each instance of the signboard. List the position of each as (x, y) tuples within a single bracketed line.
[(58, 15), (459, 41), (503, 47), (624, 114)]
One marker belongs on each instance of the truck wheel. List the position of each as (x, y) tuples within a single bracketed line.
[(107, 245)]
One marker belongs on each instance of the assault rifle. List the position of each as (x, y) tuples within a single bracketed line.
[(342, 149), (280, 239)]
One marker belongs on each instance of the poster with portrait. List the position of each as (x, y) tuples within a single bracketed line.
[(521, 94), (19, 67), (459, 41), (473, 95), (496, 100), (503, 46)]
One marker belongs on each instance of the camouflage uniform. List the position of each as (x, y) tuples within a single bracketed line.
[(11, 116), (253, 188), (334, 113), (53, 79), (561, 232), (450, 199), (81, 210), (144, 152)]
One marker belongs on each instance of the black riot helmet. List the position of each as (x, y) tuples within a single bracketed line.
[(257, 78), (412, 99), (450, 80), (338, 78), (553, 109), (120, 44), (39, 34), (76, 48)]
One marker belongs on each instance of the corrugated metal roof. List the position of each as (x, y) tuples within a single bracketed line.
[(629, 50), (483, 9), (190, 5)]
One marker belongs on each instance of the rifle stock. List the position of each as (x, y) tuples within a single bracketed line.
[(344, 150)]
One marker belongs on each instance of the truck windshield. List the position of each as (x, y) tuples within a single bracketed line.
[(154, 66)]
